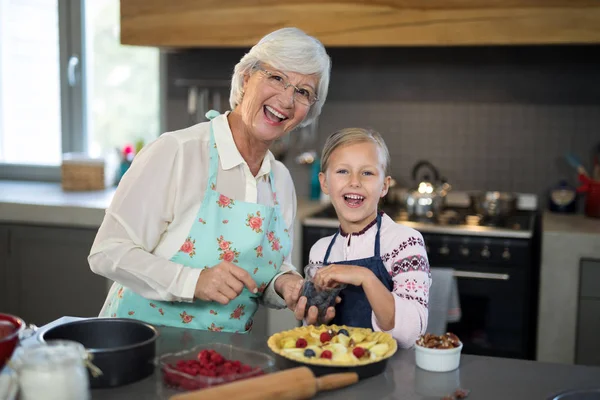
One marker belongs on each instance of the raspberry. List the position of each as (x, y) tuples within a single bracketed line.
[(325, 337), (358, 352), (327, 354), (301, 343)]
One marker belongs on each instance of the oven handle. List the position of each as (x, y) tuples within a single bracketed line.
[(481, 275)]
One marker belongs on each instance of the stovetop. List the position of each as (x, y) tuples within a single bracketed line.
[(452, 220)]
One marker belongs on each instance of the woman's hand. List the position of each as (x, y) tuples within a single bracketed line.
[(338, 273), (223, 283), (288, 286)]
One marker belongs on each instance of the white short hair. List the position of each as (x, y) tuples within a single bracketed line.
[(287, 49)]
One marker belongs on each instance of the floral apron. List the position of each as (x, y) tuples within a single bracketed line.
[(252, 236)]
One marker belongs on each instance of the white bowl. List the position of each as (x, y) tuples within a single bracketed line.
[(437, 360)]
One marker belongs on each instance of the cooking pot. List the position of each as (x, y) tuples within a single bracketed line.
[(429, 196), (11, 329), (123, 349), (494, 204)]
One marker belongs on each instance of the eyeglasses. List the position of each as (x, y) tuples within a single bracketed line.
[(277, 81)]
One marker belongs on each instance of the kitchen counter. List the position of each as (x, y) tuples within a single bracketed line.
[(566, 240), (487, 378), (45, 203)]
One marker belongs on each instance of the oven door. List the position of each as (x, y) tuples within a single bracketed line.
[(494, 315)]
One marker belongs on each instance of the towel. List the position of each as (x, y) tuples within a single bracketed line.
[(444, 304)]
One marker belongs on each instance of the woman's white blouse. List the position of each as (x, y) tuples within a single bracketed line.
[(156, 201)]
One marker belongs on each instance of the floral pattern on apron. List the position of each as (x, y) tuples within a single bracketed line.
[(252, 236)]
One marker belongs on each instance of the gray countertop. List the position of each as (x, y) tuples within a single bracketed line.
[(46, 203), (570, 223), (488, 378)]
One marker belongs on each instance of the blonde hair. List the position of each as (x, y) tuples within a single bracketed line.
[(287, 49), (348, 136)]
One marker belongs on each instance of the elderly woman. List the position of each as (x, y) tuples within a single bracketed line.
[(200, 228)]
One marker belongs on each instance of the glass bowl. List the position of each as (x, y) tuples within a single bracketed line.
[(321, 297), (261, 363)]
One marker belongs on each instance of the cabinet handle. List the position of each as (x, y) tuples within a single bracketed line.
[(481, 275)]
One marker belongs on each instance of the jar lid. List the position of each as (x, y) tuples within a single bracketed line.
[(50, 355)]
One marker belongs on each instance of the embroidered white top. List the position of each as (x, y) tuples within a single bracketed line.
[(156, 201), (404, 256)]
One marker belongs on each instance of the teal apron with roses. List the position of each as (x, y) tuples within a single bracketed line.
[(252, 236)]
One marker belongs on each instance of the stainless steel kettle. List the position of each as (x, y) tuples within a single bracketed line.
[(428, 198)]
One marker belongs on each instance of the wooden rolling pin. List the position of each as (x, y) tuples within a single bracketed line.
[(292, 384)]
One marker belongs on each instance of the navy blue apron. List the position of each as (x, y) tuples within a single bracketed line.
[(355, 310)]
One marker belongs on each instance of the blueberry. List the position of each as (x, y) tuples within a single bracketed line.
[(343, 332), (309, 353)]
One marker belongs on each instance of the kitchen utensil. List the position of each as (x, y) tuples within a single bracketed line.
[(293, 384), (261, 363), (494, 204), (592, 200), (192, 105), (428, 198), (203, 104), (575, 163), (11, 328), (123, 349)]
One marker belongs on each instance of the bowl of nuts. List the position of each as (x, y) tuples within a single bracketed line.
[(438, 353)]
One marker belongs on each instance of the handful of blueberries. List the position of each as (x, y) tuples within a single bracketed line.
[(321, 297)]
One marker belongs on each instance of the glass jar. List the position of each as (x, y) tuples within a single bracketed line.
[(53, 371)]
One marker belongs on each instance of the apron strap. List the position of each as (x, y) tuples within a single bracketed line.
[(376, 250), (214, 160), (329, 248)]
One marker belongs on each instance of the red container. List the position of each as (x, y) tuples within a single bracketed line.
[(592, 199), (10, 341)]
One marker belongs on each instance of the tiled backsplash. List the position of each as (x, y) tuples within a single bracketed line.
[(497, 118)]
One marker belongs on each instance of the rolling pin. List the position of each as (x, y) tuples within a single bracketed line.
[(292, 384)]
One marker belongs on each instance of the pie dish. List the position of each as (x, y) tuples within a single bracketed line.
[(328, 347)]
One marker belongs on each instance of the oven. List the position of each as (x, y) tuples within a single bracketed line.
[(497, 273), (497, 290)]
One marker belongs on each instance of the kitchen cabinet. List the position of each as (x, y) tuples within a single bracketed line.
[(588, 319), (46, 273), (241, 23)]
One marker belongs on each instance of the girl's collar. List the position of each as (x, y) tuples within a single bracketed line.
[(366, 228)]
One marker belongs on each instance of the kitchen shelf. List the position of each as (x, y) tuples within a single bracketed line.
[(354, 23)]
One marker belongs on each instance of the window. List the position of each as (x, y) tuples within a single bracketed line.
[(68, 85)]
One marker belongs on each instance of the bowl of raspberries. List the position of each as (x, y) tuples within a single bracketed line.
[(210, 365), (321, 297)]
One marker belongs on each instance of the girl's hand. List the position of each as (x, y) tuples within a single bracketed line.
[(340, 273)]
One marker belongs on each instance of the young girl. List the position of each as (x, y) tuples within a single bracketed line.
[(383, 263)]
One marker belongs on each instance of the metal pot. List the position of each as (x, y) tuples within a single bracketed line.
[(429, 197), (494, 204), (123, 349)]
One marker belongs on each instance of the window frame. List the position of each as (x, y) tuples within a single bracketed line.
[(73, 94)]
